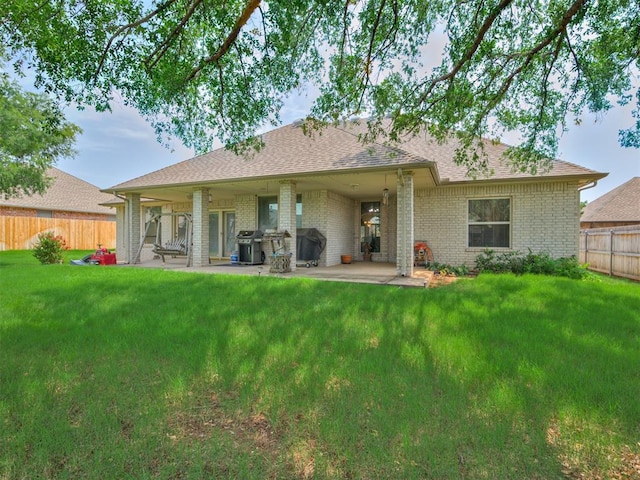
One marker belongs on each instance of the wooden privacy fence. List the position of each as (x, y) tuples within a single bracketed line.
[(21, 233), (615, 251)]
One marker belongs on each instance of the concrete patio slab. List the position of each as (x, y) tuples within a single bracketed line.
[(356, 272)]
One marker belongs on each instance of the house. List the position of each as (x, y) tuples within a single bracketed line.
[(372, 197), (70, 207), (619, 207)]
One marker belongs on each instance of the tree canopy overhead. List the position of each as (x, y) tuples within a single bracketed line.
[(205, 69)]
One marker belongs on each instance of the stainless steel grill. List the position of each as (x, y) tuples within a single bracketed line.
[(250, 247)]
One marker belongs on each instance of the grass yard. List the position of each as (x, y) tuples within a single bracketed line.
[(110, 372)]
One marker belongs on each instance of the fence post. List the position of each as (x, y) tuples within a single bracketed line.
[(586, 246), (611, 253)]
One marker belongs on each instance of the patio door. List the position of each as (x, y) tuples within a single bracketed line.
[(222, 233), (229, 233), (214, 234)]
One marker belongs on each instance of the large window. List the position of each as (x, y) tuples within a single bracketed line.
[(268, 212), (370, 227), (489, 223)]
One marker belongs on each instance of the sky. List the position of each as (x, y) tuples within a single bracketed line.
[(120, 145)]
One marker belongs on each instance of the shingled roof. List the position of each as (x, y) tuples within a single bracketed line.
[(67, 193), (622, 204), (288, 151)]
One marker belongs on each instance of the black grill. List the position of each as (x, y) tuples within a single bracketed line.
[(250, 247)]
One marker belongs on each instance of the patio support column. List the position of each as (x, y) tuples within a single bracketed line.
[(200, 248), (121, 233), (133, 226), (404, 262), (287, 215)]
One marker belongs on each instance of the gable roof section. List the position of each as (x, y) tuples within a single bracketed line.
[(622, 204), (67, 193), (288, 151)]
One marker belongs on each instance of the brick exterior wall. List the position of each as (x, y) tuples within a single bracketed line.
[(391, 230), (121, 234), (315, 215), (544, 217), (200, 241), (135, 229), (406, 225), (246, 212), (341, 232), (6, 211), (287, 216)]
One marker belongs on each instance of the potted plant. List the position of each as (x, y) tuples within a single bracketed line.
[(366, 256)]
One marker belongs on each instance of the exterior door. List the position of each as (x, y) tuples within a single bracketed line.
[(222, 234), (214, 234), (229, 233)]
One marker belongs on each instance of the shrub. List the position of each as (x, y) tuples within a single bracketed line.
[(445, 269), (489, 261), (537, 263), (49, 248)]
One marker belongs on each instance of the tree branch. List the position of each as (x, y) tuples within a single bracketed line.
[(488, 22), (528, 56), (161, 49), (345, 33), (249, 8), (127, 27)]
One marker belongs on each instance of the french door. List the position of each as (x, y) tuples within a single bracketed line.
[(222, 233)]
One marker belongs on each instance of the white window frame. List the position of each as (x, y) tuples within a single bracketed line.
[(473, 223)]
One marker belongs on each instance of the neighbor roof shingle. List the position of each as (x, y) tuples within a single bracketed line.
[(622, 204), (66, 193)]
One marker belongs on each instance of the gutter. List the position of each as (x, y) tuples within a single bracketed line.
[(588, 186)]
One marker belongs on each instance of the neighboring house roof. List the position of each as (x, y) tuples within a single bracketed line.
[(66, 193), (288, 151), (622, 204)]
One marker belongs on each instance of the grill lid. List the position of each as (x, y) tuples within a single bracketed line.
[(249, 234)]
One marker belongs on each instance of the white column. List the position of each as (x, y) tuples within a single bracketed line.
[(404, 261), (200, 248), (287, 215), (133, 226)]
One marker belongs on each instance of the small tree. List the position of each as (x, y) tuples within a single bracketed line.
[(35, 135), (49, 248)]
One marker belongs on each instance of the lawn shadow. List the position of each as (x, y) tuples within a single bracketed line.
[(359, 380)]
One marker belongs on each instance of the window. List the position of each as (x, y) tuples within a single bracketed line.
[(489, 223), (370, 226), (44, 214), (267, 213), (181, 226), (151, 228)]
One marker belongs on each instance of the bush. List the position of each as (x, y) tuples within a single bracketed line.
[(49, 248), (537, 263), (445, 269)]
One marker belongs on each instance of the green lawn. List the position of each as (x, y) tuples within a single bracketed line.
[(109, 372)]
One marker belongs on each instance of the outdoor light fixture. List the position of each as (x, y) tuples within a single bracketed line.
[(210, 198), (385, 196)]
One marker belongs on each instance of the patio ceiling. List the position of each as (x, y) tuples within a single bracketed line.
[(355, 185)]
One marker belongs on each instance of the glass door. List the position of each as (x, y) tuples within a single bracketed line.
[(229, 233), (214, 234)]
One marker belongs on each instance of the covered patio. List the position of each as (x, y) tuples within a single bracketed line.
[(357, 272)]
